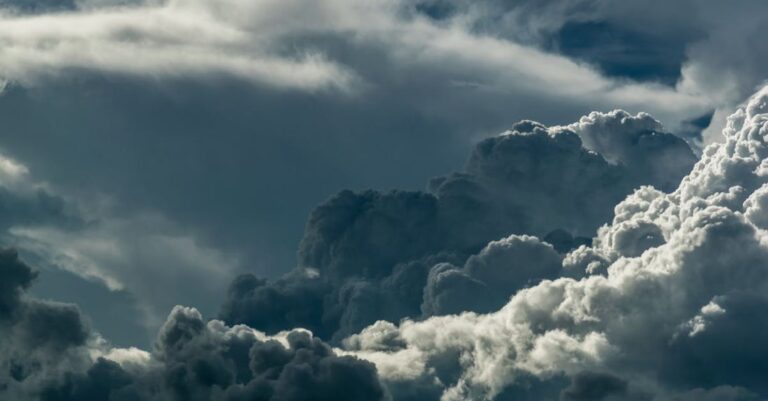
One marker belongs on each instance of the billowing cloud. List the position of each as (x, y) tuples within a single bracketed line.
[(488, 279), (372, 255), (39, 337), (666, 304), (656, 307), (49, 353), (216, 119), (666, 308)]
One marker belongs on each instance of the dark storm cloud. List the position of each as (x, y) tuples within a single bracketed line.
[(50, 354), (488, 279), (36, 325), (228, 128), (374, 255), (39, 337), (392, 255), (16, 278), (198, 361), (291, 301)]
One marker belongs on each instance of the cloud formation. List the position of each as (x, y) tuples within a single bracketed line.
[(372, 255), (121, 253), (199, 39), (638, 41), (172, 38), (173, 97), (24, 202), (666, 304), (39, 337), (49, 353), (666, 308), (418, 255)]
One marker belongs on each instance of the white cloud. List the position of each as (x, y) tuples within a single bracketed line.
[(155, 41), (707, 272), (260, 42)]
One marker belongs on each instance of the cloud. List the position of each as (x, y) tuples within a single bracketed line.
[(488, 279), (640, 41), (164, 94), (672, 318), (655, 294), (40, 337), (50, 353), (639, 143), (372, 255), (593, 386), (88, 239), (25, 202), (192, 38)]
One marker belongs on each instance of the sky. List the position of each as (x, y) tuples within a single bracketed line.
[(431, 199)]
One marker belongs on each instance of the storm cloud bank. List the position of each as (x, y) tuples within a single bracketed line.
[(371, 255), (49, 353), (669, 306), (666, 303)]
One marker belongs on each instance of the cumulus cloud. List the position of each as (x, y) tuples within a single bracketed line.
[(488, 279), (670, 318), (155, 90), (170, 39), (595, 334), (40, 338), (664, 305), (372, 255), (50, 353)]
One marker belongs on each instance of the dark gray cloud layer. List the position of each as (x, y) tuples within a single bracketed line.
[(50, 354), (370, 255), (39, 337), (348, 96)]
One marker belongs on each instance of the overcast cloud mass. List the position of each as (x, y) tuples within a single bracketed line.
[(383, 200)]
